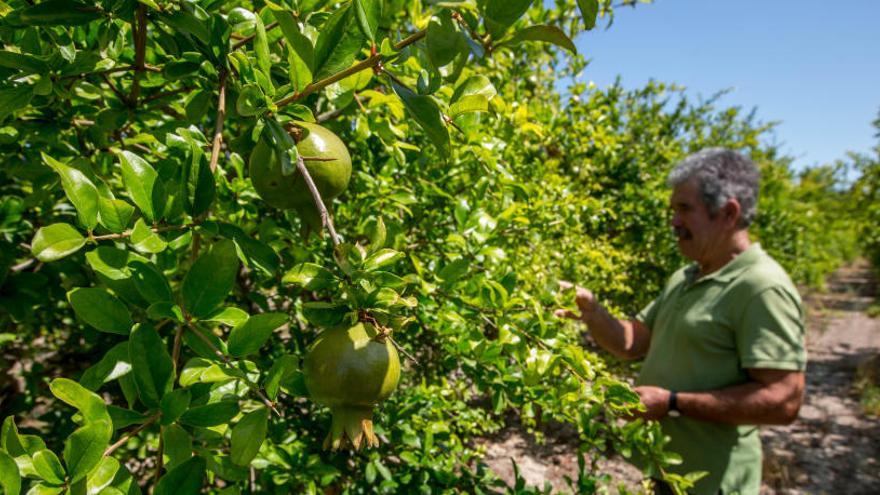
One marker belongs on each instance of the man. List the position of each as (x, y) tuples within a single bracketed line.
[(724, 341)]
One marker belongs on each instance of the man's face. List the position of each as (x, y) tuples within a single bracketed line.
[(699, 235)]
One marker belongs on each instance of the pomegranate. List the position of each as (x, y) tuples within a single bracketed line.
[(350, 369)]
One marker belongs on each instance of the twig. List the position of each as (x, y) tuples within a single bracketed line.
[(158, 230), (221, 117), (175, 354), (127, 436), (362, 65), (140, 45), (160, 458), (227, 362), (325, 215), (246, 39), (114, 88), (403, 351)]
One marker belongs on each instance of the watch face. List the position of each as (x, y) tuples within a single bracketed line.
[(674, 413)]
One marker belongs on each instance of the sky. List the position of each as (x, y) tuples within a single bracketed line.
[(812, 65)]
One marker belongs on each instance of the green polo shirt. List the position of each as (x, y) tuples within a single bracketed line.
[(705, 333)]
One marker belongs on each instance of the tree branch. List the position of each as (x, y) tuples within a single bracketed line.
[(362, 65), (221, 117), (319, 202), (247, 39), (140, 45), (127, 436)]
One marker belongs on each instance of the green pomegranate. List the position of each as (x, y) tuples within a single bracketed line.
[(291, 191), (350, 369)]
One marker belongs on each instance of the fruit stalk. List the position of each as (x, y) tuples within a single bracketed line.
[(325, 215)]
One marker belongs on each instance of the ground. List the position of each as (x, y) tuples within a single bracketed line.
[(833, 447)]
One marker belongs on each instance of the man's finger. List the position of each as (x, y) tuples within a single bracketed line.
[(565, 284), (566, 313)]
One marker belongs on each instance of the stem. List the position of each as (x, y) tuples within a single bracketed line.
[(114, 88), (127, 436), (160, 458), (168, 93), (362, 65), (140, 45), (157, 230), (227, 362), (175, 354), (221, 117), (325, 215), (247, 39)]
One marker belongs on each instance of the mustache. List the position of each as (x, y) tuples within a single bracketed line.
[(682, 233)]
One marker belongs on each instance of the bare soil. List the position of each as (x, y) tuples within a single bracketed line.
[(833, 447)]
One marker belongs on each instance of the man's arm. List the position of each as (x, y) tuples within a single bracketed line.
[(626, 339), (772, 397)]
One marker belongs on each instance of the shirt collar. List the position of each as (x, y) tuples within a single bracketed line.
[(732, 269)]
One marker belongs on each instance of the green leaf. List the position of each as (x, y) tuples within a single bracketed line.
[(377, 233), (282, 369), (310, 276), (248, 435), (13, 98), (112, 262), (150, 282), (501, 14), (199, 181), (10, 478), (49, 467), (180, 69), (368, 13), (59, 13), (144, 240), (178, 445), (84, 449), (23, 62), (151, 4), (443, 39), (114, 214), (100, 309), (261, 47), (474, 85), (210, 279), (248, 337), (113, 365), (150, 363), (323, 314), (184, 479), (548, 33), (251, 101), (121, 417), (56, 241), (213, 414), (90, 404), (174, 404), (255, 253), (468, 104), (200, 370), (143, 184), (188, 23), (426, 112), (102, 476), (339, 41), (381, 258), (79, 189), (165, 310), (589, 11), (301, 52), (229, 316)]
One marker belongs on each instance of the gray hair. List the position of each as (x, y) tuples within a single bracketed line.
[(721, 175)]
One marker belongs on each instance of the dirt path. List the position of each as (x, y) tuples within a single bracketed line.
[(831, 449)]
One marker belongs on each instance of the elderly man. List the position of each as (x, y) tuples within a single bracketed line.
[(724, 341)]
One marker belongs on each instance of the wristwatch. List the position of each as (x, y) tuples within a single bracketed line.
[(673, 411)]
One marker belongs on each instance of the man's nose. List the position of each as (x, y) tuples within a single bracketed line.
[(675, 221)]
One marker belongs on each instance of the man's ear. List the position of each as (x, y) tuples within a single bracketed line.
[(731, 212)]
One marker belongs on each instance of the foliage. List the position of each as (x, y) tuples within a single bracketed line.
[(182, 304)]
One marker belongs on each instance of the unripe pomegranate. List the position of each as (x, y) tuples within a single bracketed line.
[(331, 173), (350, 369)]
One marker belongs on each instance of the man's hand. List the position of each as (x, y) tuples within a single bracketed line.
[(584, 299), (656, 401)]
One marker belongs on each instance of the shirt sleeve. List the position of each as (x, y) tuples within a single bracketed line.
[(772, 331), (648, 315)]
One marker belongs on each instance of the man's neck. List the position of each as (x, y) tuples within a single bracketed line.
[(736, 244)]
